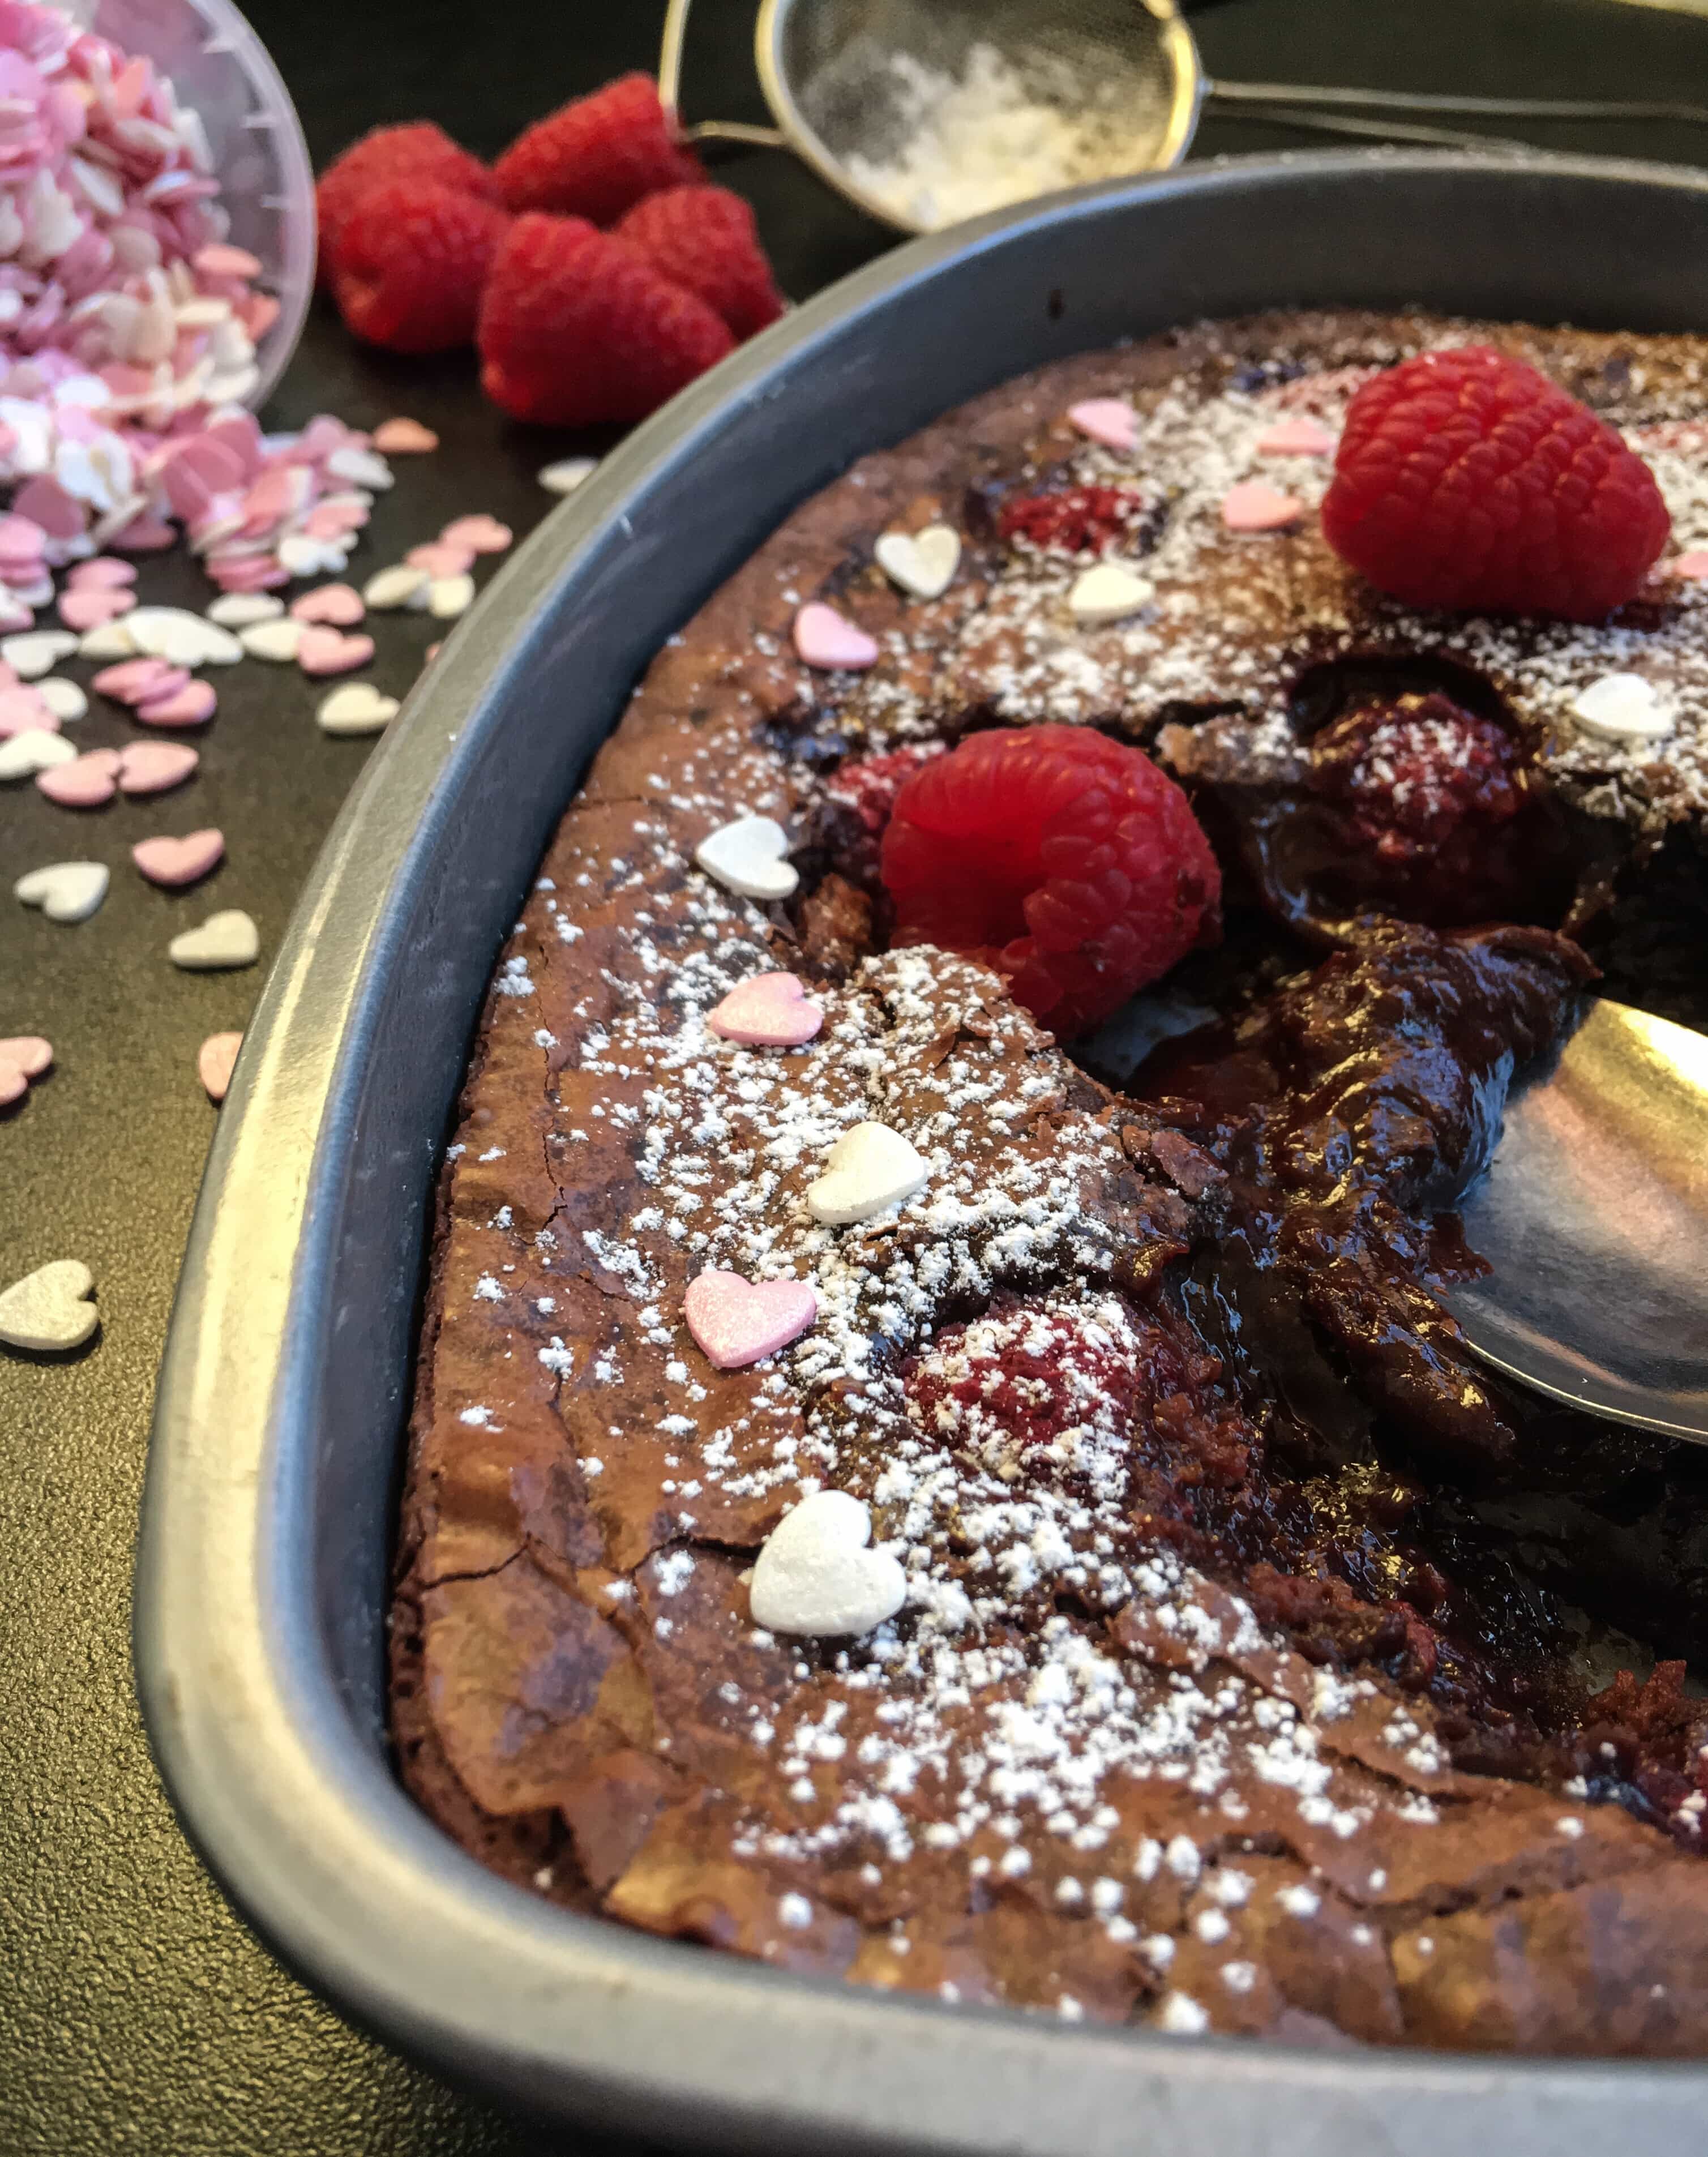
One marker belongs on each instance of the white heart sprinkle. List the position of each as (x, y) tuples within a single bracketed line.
[(229, 938), (564, 476), (749, 856), (447, 597), (276, 640), (242, 609), (36, 651), (356, 708), (179, 637), (815, 1575), (112, 639), (33, 750), (63, 698), (360, 467), (1108, 593), (1623, 708), (399, 586), (219, 647), (49, 1308), (306, 557), (64, 891), (922, 563), (869, 1168)]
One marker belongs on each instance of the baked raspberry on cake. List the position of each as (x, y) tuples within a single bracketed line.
[(1173, 1625)]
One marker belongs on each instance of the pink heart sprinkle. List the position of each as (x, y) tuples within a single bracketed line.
[(150, 767), (270, 500), (1693, 565), (14, 1084), (736, 1321), (248, 573), (20, 709), (402, 437), (439, 560), (825, 638), (173, 861), (132, 680), (484, 534), (1255, 505), (219, 258), (325, 651), (104, 572), (1298, 437), (87, 782), (333, 520), (87, 607), (191, 706), (772, 1011), (28, 1052), (147, 534), (1110, 421), (213, 1060), (22, 541), (338, 605), (43, 501)]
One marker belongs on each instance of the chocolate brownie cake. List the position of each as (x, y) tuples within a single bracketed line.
[(1230, 1651)]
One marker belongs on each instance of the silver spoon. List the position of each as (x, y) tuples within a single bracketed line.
[(1593, 1218)]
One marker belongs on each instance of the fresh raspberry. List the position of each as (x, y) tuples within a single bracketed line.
[(597, 156), (1065, 860), (705, 238), (1466, 480), (578, 327), (411, 263), (1437, 815), (1073, 520), (419, 152)]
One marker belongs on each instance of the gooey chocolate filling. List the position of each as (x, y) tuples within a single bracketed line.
[(1312, 1428)]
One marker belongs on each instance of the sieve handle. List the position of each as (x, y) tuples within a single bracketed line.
[(1317, 95), (670, 80)]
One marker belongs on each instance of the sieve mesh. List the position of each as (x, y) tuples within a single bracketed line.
[(938, 109)]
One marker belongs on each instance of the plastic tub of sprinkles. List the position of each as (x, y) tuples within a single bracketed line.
[(157, 247)]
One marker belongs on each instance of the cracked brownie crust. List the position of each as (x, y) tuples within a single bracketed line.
[(1252, 1673)]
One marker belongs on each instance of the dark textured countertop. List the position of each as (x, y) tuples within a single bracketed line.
[(135, 2012)]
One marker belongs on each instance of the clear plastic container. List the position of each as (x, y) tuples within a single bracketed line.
[(219, 66)]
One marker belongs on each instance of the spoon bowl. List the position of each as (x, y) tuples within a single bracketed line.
[(1593, 1218)]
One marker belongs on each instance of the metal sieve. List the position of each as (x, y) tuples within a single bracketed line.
[(922, 113)]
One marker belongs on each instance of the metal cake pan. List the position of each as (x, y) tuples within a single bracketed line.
[(267, 1517)]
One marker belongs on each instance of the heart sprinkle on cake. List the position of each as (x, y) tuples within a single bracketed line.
[(772, 1011), (826, 639), (1109, 421), (748, 857), (866, 1170), (737, 1321), (922, 563), (816, 1576)]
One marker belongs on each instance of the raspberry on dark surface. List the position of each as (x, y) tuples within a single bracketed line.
[(1073, 520), (1465, 480), (577, 326), (705, 238), (417, 151), (1067, 861), (597, 156), (411, 262)]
